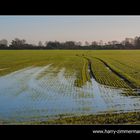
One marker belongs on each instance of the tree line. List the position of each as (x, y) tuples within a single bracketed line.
[(128, 43)]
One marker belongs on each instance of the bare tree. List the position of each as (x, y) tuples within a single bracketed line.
[(94, 43), (18, 41), (40, 43), (101, 43), (114, 42), (86, 43), (4, 42), (46, 43), (78, 43)]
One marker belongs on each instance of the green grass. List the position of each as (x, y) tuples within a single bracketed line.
[(105, 76), (125, 62), (16, 60), (84, 75)]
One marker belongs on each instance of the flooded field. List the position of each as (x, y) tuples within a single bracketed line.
[(45, 92)]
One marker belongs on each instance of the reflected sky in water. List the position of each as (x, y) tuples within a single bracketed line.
[(37, 93)]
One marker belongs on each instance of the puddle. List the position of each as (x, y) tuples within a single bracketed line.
[(29, 94)]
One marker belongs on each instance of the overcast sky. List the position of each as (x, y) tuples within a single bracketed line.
[(62, 28)]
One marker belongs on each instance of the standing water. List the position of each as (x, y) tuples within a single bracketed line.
[(39, 93)]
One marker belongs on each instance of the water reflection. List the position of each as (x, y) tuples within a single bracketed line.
[(38, 93)]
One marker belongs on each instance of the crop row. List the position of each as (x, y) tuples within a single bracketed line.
[(131, 73), (125, 63), (84, 75), (105, 76)]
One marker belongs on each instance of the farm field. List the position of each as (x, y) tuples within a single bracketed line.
[(42, 86)]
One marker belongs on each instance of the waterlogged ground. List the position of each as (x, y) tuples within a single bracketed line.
[(41, 93)]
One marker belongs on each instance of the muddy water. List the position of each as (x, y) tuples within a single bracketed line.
[(39, 93)]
